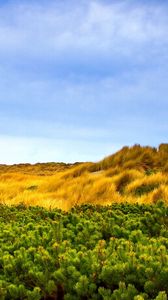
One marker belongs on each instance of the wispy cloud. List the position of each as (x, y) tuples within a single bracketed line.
[(93, 28), (82, 71)]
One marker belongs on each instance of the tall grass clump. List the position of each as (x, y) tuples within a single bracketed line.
[(133, 174)]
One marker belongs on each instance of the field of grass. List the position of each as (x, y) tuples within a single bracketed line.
[(133, 174)]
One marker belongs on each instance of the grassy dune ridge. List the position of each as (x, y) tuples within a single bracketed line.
[(134, 174)]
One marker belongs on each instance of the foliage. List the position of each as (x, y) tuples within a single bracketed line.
[(118, 252)]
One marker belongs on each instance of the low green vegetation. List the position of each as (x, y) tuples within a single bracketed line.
[(118, 252)]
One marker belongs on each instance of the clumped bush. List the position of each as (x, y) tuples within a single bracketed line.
[(146, 184), (145, 189), (91, 252), (124, 178)]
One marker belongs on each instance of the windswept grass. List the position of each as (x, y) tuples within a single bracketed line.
[(135, 175)]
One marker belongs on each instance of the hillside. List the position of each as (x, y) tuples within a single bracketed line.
[(134, 174)]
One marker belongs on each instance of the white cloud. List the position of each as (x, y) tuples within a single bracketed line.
[(97, 28), (74, 74)]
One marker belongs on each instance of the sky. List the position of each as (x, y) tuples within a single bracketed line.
[(81, 79)]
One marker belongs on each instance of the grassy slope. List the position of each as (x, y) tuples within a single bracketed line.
[(135, 174)]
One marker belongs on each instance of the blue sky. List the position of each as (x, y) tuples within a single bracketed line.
[(81, 79)]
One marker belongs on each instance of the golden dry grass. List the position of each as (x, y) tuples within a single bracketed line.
[(102, 183)]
